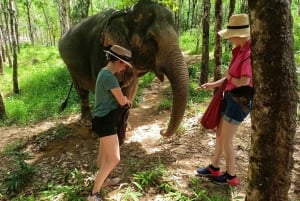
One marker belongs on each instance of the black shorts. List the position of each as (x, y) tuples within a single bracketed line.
[(106, 125)]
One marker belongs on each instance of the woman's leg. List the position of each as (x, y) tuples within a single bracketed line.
[(228, 130), (218, 146), (100, 157), (109, 158)]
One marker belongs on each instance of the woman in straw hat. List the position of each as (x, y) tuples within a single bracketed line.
[(108, 98), (239, 76)]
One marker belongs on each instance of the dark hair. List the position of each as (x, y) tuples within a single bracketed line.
[(111, 58)]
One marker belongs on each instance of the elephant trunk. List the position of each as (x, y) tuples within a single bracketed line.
[(177, 73)]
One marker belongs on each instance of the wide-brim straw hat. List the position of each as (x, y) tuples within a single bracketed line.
[(120, 53), (238, 26)]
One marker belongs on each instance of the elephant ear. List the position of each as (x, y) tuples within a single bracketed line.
[(115, 31), (107, 39)]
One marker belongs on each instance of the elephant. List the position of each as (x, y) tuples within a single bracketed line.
[(147, 29)]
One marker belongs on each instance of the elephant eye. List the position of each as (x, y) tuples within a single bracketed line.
[(142, 17), (138, 18)]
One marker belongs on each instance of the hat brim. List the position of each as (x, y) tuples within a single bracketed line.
[(126, 62), (230, 33)]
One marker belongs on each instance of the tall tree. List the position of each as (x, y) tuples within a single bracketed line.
[(178, 14), (244, 6), (80, 10), (194, 15), (13, 35), (231, 8), (205, 42), (298, 6), (63, 12), (2, 42), (16, 22), (27, 4), (274, 109), (230, 12), (218, 41), (188, 11), (1, 52), (51, 35), (5, 31)]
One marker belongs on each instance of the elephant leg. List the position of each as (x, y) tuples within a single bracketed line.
[(86, 115)]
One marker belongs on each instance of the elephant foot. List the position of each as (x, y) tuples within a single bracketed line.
[(165, 134), (86, 118)]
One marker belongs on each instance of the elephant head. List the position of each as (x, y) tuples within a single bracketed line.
[(147, 29)]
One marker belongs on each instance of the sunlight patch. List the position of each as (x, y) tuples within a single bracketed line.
[(148, 134)]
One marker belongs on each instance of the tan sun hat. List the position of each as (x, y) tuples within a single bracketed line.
[(120, 53), (238, 26)]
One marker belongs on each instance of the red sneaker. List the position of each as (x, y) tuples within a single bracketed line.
[(224, 180), (208, 171)]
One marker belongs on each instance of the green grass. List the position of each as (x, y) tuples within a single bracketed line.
[(188, 42), (146, 80), (150, 177), (164, 104), (19, 172), (43, 82)]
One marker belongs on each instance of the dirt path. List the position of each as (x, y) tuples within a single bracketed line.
[(63, 145)]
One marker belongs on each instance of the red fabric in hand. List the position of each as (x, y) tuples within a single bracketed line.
[(212, 115)]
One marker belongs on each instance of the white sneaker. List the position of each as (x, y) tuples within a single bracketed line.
[(94, 197)]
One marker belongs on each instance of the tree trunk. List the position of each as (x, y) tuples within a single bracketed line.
[(274, 109), (2, 43), (30, 27), (231, 11), (7, 39), (178, 15), (80, 11), (1, 55), (205, 42), (231, 8), (51, 32), (16, 29), (244, 6), (1, 52), (2, 108), (2, 39), (1, 60), (218, 41), (12, 12), (85, 4), (63, 15), (187, 24), (193, 21), (298, 8)]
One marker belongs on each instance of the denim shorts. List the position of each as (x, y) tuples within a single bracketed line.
[(106, 125), (232, 111)]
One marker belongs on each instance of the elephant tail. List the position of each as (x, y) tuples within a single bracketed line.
[(64, 104)]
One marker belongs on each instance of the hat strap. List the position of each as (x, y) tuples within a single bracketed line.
[(122, 56), (238, 27)]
